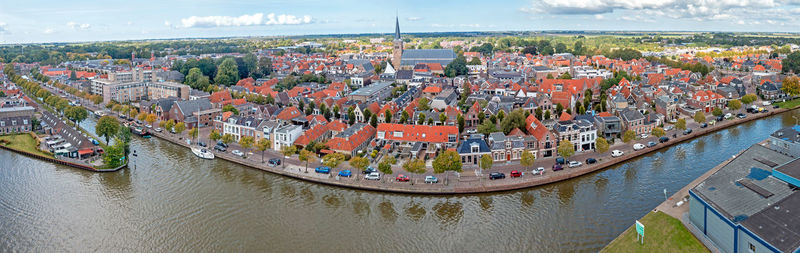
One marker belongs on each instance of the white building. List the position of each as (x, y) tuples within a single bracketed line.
[(286, 135)]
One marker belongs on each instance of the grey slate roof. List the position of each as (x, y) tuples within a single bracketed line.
[(414, 56), (725, 193), (631, 115), (191, 106), (465, 147)]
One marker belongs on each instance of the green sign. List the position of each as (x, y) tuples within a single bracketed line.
[(640, 231)]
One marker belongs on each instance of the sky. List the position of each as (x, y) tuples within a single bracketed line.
[(35, 21)]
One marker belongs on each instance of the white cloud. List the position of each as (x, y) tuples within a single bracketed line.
[(48, 31), (129, 23), (75, 25), (3, 28), (412, 19), (599, 16), (244, 20), (697, 10), (167, 23)]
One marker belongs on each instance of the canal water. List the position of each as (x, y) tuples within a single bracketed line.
[(170, 201)]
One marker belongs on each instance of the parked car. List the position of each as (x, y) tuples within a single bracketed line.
[(202, 144), (651, 144), (515, 173), (219, 148), (472, 131), (667, 128), (323, 170), (496, 175), (766, 103), (369, 170), (158, 129), (663, 139), (704, 125), (638, 146), (720, 117), (149, 126), (591, 161), (345, 173), (274, 162), (776, 106), (573, 164), (220, 143), (643, 136), (687, 131), (237, 152), (561, 160), (616, 153), (557, 167), (728, 115), (431, 180), (373, 176), (741, 115), (538, 171), (402, 178)]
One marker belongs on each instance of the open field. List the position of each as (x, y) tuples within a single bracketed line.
[(24, 142), (662, 234)]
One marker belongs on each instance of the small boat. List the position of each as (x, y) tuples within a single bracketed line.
[(202, 153)]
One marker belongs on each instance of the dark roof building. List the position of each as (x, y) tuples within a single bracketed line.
[(412, 57)]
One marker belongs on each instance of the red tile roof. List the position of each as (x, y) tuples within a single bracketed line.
[(290, 113), (415, 133), (353, 141)]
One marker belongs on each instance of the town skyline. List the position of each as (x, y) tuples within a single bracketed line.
[(213, 19)]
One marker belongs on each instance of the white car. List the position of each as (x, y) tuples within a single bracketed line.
[(573, 164), (667, 128), (728, 116), (616, 153), (373, 176), (642, 136), (638, 146), (237, 152), (538, 171), (472, 131), (766, 103)]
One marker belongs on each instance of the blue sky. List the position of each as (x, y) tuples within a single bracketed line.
[(93, 20)]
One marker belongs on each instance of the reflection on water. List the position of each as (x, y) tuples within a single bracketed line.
[(173, 201)]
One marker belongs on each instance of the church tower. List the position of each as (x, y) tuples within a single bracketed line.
[(397, 45)]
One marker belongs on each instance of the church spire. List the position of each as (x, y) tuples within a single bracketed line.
[(397, 28)]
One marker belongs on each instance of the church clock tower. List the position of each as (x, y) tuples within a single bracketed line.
[(397, 45)]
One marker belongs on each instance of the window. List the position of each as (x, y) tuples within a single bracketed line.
[(752, 248)]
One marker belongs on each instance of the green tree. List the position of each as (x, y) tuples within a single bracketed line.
[(359, 163), (461, 123), (447, 161), (333, 159), (791, 63), (385, 168), (170, 125), (114, 155), (628, 136), (681, 124), (423, 104), (227, 138), (527, 159), (501, 115), (305, 156), (516, 119), (227, 72), (699, 117), (289, 150), (194, 132), (421, 119), (486, 162), (262, 145), (416, 166), (196, 79), (566, 149), (601, 145), (387, 116), (247, 142), (716, 112), (180, 127), (106, 127), (487, 128), (214, 135), (791, 86), (749, 98), (374, 120), (734, 104), (658, 132), (230, 108), (442, 118)]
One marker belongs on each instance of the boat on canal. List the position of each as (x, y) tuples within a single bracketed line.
[(202, 153)]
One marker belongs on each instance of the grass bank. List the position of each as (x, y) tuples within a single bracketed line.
[(25, 142), (789, 104), (663, 233)]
